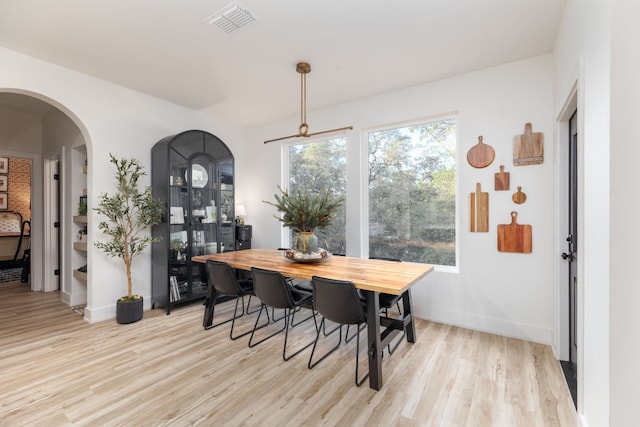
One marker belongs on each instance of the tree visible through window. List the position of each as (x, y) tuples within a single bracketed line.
[(412, 192), (320, 166)]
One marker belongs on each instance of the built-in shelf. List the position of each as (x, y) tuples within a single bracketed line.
[(80, 219), (80, 275), (80, 246)]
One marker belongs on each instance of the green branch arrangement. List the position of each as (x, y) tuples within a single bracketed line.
[(130, 211), (305, 212)]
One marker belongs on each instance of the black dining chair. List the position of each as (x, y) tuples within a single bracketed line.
[(339, 302), (274, 291), (223, 281)]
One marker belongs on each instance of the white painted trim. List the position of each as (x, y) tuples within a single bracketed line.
[(51, 244), (488, 324), (561, 303)]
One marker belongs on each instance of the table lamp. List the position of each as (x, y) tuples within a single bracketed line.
[(241, 212)]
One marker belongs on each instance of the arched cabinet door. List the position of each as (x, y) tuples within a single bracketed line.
[(193, 173)]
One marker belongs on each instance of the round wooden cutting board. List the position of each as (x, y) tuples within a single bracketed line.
[(480, 155)]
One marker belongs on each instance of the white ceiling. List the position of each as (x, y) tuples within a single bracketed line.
[(356, 48)]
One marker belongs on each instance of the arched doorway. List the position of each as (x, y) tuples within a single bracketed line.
[(36, 127)]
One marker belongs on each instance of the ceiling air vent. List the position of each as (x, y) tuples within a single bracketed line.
[(231, 18)]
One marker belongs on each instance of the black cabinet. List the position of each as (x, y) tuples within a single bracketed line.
[(243, 237), (193, 173)]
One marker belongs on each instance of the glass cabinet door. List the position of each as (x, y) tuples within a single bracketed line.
[(227, 207), (202, 183), (178, 208)]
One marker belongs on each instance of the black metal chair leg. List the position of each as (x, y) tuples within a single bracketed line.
[(255, 328), (346, 335), (273, 315), (293, 324), (247, 332), (397, 343), (208, 317), (248, 304), (286, 335), (311, 364)]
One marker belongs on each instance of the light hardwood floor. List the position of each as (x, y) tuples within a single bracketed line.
[(57, 370)]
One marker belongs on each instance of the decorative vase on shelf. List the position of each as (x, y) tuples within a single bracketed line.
[(306, 242)]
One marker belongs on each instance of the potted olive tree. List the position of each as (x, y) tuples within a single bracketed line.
[(129, 213)]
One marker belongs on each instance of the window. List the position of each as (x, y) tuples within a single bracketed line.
[(318, 166), (412, 192)]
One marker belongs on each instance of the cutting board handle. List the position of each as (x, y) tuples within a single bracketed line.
[(514, 218)]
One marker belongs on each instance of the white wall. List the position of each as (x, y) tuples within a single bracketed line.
[(506, 293), (111, 119), (625, 205), (20, 131), (581, 57)]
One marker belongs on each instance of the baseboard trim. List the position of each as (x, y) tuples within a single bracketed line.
[(73, 299), (490, 325)]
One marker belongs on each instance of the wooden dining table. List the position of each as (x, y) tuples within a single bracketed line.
[(372, 276)]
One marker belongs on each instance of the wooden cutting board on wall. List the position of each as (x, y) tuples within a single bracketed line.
[(528, 148), (481, 155), (479, 210), (514, 237), (502, 180)]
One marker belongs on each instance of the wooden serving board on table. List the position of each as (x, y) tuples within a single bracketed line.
[(478, 210), (528, 148), (514, 237), (480, 155)]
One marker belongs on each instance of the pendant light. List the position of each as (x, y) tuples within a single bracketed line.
[(303, 130)]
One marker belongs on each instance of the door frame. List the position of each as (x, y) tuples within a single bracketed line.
[(562, 341), (52, 235)]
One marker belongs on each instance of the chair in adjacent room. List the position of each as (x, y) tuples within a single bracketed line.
[(223, 281), (274, 291), (339, 302)]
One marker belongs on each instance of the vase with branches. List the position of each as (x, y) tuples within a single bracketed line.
[(305, 212)]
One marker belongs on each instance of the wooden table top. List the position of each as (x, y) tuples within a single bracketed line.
[(368, 274)]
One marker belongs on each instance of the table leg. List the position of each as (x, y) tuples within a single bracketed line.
[(210, 304), (373, 336), (408, 310)]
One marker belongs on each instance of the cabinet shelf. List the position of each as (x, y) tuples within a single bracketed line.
[(80, 219), (80, 246), (80, 275)]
